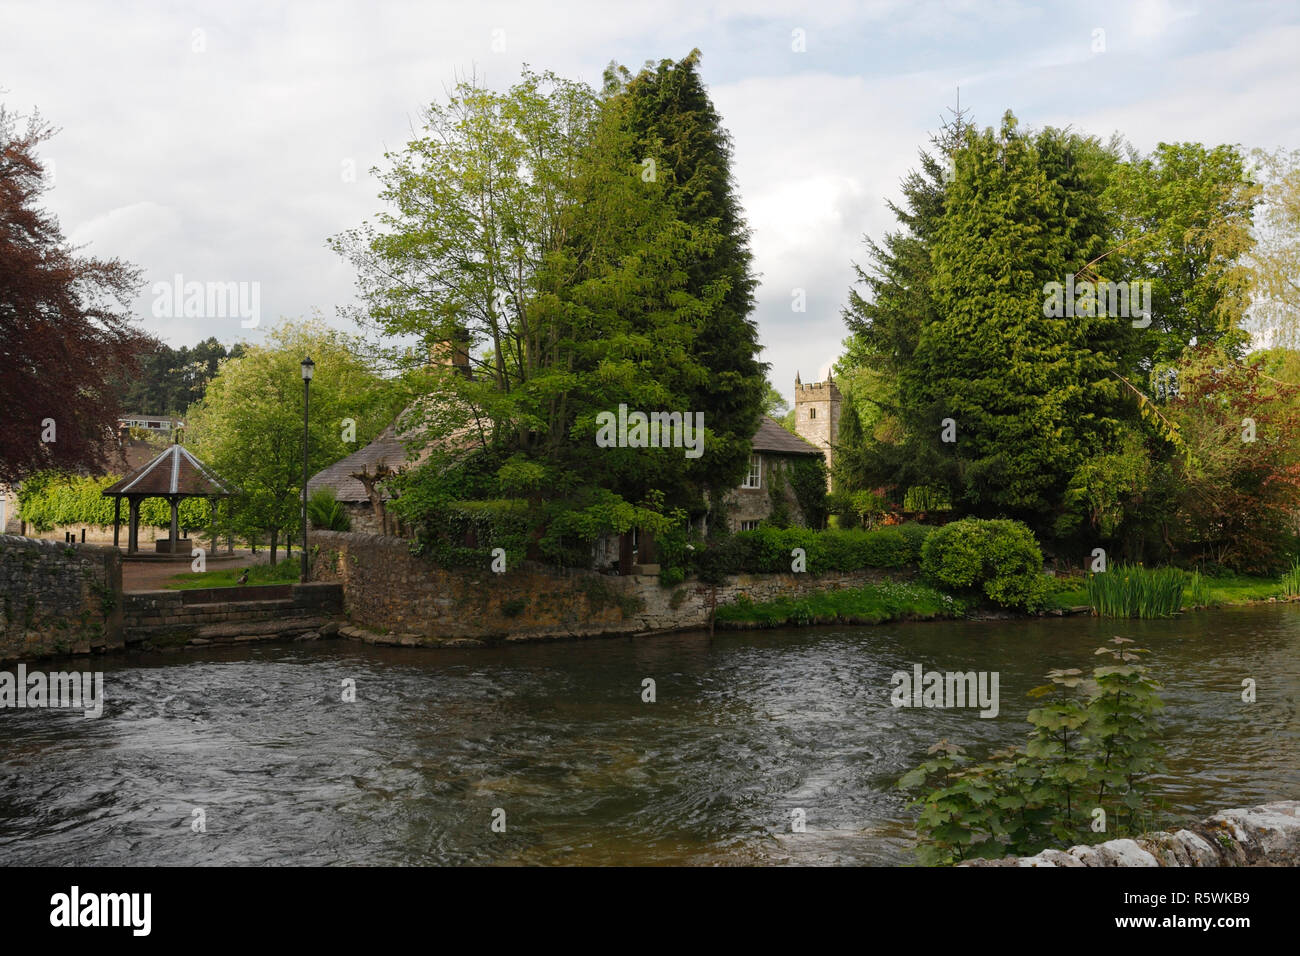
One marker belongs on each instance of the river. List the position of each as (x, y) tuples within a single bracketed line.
[(746, 728)]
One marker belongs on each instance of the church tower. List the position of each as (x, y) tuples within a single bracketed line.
[(817, 415)]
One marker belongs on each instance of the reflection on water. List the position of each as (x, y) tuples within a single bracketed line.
[(747, 727)]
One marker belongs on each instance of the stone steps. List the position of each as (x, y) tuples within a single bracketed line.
[(232, 632)]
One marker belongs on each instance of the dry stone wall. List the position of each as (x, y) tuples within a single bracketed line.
[(391, 596), (58, 599)]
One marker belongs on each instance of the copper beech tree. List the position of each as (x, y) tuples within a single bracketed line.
[(65, 330)]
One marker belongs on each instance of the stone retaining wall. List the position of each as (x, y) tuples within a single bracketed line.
[(1267, 835), (58, 599), (161, 619), (391, 596)]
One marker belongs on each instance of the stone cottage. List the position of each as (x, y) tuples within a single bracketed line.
[(773, 450)]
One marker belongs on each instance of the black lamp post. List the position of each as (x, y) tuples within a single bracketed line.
[(308, 367)]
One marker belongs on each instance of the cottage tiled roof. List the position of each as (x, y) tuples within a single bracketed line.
[(174, 472), (775, 440), (387, 450)]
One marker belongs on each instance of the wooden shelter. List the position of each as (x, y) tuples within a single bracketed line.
[(173, 475)]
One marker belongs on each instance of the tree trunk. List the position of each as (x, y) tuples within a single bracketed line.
[(275, 534), (375, 493)]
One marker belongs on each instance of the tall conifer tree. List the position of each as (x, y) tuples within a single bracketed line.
[(678, 128)]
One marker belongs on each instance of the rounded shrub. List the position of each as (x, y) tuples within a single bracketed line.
[(997, 558)]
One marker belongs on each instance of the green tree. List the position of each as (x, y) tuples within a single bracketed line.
[(1028, 397), (890, 303), (1183, 222), (774, 403), (168, 380), (678, 128), (1060, 419), (249, 425), (524, 233)]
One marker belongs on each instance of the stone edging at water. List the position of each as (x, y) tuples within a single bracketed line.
[(1267, 835)]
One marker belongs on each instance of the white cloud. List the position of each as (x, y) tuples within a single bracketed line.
[(225, 164), (1153, 18), (129, 231)]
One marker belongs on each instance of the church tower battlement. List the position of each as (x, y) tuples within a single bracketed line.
[(817, 414)]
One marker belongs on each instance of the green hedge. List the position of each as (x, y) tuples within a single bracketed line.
[(47, 501), (768, 550)]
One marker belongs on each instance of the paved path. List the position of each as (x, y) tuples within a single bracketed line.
[(154, 575)]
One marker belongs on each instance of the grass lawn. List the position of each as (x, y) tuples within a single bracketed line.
[(873, 604), (1237, 589), (286, 572), (1067, 592)]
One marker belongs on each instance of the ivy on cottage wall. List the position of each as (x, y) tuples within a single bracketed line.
[(807, 478), (803, 478)]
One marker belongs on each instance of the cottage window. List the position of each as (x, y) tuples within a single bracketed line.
[(749, 526), (755, 477)]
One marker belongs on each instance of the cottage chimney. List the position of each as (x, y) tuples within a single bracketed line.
[(453, 352)]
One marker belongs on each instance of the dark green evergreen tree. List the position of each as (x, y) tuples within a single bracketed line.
[(677, 126), (1029, 397)]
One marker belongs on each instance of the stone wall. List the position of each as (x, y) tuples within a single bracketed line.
[(157, 620), (392, 596), (755, 504), (58, 599), (1267, 835), (361, 516)]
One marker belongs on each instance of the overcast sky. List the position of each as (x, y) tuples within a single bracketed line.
[(213, 140)]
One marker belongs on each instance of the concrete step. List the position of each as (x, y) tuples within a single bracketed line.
[(259, 630)]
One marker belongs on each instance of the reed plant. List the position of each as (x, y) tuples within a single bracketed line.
[(1291, 581), (1135, 591)]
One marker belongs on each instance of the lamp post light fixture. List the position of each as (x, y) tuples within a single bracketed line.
[(308, 368)]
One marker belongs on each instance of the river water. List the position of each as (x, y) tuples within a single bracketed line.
[(746, 728)]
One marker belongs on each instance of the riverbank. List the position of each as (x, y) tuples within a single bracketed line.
[(66, 599), (1228, 590), (907, 599), (1267, 835), (898, 600)]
